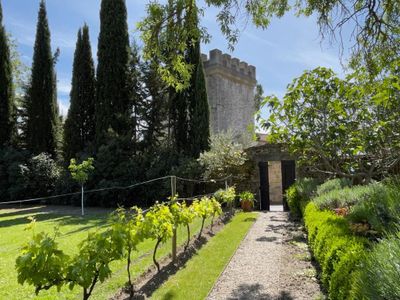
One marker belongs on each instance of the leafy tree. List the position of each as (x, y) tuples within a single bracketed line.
[(154, 116), (79, 127), (339, 127), (178, 118), (199, 111), (42, 109), (226, 157), (7, 109), (168, 25), (113, 107), (80, 173)]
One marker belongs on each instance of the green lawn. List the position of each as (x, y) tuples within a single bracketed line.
[(74, 229), (198, 276)]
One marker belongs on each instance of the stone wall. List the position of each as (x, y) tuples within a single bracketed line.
[(230, 89)]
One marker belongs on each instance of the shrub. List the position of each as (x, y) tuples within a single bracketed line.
[(225, 195), (381, 273), (299, 194), (333, 184), (335, 248), (343, 197), (380, 208)]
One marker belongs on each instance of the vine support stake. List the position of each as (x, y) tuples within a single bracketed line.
[(83, 212), (173, 194)]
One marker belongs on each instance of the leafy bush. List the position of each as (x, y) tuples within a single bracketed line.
[(183, 215), (226, 195), (343, 197), (44, 266), (299, 194), (335, 248), (380, 208), (203, 208), (333, 184), (225, 157), (381, 272), (158, 225)]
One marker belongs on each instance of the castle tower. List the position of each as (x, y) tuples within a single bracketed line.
[(230, 89)]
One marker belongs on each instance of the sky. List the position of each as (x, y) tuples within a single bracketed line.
[(280, 53)]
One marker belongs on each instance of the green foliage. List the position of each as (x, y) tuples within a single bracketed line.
[(380, 276), (226, 195), (199, 110), (299, 194), (169, 25), (80, 172), (7, 106), (42, 108), (380, 208), (41, 263), (344, 197), (225, 157), (247, 196), (43, 174), (113, 107), (333, 184), (335, 126), (336, 249), (158, 225), (79, 127)]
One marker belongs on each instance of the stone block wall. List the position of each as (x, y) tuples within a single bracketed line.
[(230, 89)]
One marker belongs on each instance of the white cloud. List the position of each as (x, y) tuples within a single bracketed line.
[(63, 87), (63, 108)]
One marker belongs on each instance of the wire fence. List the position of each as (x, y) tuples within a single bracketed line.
[(186, 187)]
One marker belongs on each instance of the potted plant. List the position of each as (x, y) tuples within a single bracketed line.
[(247, 200)]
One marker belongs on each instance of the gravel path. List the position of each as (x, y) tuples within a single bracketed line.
[(272, 262)]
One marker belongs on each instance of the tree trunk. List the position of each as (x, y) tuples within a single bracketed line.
[(188, 236), (154, 255), (201, 229)]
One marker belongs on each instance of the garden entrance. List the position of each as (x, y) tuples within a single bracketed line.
[(276, 172)]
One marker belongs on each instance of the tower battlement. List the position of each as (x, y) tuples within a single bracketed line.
[(231, 66), (230, 89)]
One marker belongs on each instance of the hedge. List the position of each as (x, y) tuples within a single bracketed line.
[(338, 252)]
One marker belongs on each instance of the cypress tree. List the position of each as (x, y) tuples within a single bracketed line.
[(199, 114), (7, 120), (113, 109), (42, 109), (79, 127)]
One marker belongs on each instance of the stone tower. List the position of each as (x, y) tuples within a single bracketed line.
[(230, 89)]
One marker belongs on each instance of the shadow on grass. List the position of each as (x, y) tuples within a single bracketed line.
[(167, 271), (254, 292)]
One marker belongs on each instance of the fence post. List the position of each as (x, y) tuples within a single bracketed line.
[(83, 212), (173, 194)]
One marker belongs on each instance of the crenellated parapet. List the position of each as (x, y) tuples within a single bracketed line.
[(232, 67), (230, 89)]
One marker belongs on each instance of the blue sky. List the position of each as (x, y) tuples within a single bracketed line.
[(282, 52)]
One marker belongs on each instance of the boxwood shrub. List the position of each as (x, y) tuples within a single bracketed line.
[(299, 194), (338, 252)]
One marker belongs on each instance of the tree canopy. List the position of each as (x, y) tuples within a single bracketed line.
[(375, 26), (339, 127)]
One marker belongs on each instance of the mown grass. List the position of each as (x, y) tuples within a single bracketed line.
[(198, 276), (73, 229)]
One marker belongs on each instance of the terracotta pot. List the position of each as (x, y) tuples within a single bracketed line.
[(246, 205)]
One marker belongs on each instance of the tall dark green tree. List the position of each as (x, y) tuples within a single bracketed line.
[(79, 127), (7, 118), (42, 109), (113, 107), (178, 118), (199, 111)]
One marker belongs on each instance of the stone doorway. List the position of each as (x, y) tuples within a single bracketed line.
[(275, 173)]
